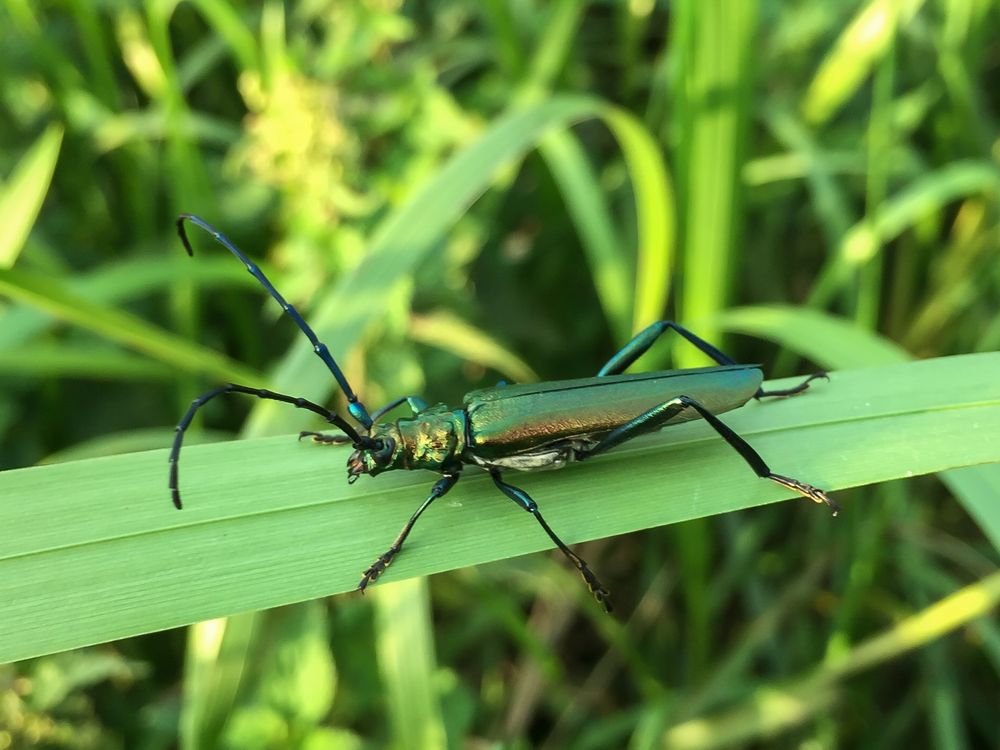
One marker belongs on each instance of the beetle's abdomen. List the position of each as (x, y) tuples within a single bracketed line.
[(432, 440), (511, 419)]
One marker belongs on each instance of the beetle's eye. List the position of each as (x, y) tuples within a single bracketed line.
[(382, 453)]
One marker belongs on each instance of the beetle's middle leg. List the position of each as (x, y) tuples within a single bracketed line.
[(415, 403), (641, 342), (659, 415), (523, 499), (378, 567)]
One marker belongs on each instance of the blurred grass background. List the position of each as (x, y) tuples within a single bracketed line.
[(829, 169)]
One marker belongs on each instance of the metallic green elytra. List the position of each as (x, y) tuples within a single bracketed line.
[(513, 419), (523, 427)]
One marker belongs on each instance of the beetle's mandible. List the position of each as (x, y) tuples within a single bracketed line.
[(571, 420)]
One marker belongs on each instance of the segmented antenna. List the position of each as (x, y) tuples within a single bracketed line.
[(354, 406)]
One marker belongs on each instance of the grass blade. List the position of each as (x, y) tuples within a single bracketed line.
[(771, 710), (449, 333), (267, 524), (405, 648), (853, 57), (21, 198), (591, 214), (51, 296)]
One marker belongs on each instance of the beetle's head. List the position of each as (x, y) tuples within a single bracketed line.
[(376, 455)]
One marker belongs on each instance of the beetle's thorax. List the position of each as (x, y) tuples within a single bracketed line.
[(433, 439)]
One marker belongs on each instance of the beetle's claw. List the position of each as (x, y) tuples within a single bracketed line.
[(807, 490), (600, 593), (377, 568)]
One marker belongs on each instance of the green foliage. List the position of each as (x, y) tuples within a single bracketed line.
[(453, 193)]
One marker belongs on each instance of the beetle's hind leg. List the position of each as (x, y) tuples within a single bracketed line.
[(523, 499), (378, 567), (641, 342), (659, 415), (794, 390)]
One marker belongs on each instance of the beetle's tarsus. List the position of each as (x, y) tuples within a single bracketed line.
[(601, 594), (807, 490), (794, 390), (324, 439), (378, 567), (175, 493)]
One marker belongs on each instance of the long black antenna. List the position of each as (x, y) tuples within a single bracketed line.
[(359, 441), (354, 406)]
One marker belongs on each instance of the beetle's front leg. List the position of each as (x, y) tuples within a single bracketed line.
[(322, 438), (378, 567), (523, 499)]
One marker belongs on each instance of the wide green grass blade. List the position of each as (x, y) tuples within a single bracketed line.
[(715, 74), (271, 521)]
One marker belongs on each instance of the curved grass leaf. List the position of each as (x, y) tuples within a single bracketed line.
[(925, 196), (655, 215), (51, 296), (226, 20), (21, 197), (81, 361), (116, 283), (449, 333), (855, 55), (272, 521), (829, 341), (585, 202)]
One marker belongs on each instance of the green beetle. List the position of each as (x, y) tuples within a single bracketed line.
[(522, 427)]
